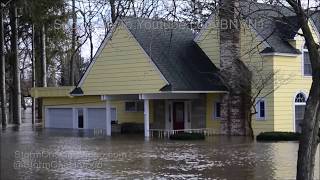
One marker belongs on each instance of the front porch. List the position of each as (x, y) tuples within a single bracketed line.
[(166, 113)]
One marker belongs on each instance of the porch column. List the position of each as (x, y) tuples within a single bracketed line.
[(146, 118), (108, 117)]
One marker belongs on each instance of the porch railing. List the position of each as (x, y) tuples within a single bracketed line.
[(163, 133)]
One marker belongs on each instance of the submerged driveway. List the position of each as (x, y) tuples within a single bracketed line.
[(36, 153)]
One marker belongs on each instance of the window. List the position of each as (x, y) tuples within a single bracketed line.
[(131, 106), (261, 109), (217, 110), (80, 119), (134, 106), (114, 119), (300, 105), (307, 69), (300, 98)]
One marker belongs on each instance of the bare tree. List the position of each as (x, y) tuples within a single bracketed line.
[(16, 69), (310, 127), (3, 70)]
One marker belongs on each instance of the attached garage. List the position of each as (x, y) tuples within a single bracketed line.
[(87, 118), (96, 118), (59, 118)]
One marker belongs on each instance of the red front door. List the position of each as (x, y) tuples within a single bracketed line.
[(178, 115)]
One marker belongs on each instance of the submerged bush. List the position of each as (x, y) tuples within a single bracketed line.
[(278, 136), (187, 136), (132, 128)]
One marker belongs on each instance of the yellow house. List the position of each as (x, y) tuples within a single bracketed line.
[(161, 76)]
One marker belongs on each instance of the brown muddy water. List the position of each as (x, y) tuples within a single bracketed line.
[(36, 153)]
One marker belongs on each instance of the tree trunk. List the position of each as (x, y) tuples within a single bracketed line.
[(73, 44), (233, 109), (3, 72), (33, 75), (16, 68), (43, 56), (310, 127), (309, 137)]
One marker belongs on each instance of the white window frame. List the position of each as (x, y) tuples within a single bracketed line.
[(258, 115), (298, 104), (135, 106), (304, 50), (214, 108)]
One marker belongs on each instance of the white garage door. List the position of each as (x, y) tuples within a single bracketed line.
[(59, 118), (97, 118)]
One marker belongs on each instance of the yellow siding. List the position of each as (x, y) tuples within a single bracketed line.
[(289, 68), (211, 121), (209, 41), (51, 91), (95, 101), (261, 67), (122, 68)]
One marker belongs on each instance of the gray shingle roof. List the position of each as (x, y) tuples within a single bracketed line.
[(172, 49), (316, 19), (277, 24)]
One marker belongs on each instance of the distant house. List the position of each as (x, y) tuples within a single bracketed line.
[(161, 75)]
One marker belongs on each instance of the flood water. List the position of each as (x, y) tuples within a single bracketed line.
[(36, 153)]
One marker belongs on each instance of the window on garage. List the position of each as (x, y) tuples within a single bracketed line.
[(134, 106)]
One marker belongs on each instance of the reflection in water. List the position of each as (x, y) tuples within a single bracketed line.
[(35, 153)]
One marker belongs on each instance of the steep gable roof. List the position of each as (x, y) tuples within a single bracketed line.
[(171, 47)]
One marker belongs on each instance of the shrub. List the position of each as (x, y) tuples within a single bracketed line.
[(132, 128), (278, 136), (187, 136)]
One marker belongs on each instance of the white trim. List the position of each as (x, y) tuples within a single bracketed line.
[(303, 50), (145, 53), (258, 115), (99, 51), (108, 118), (298, 104), (279, 54), (146, 119)]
